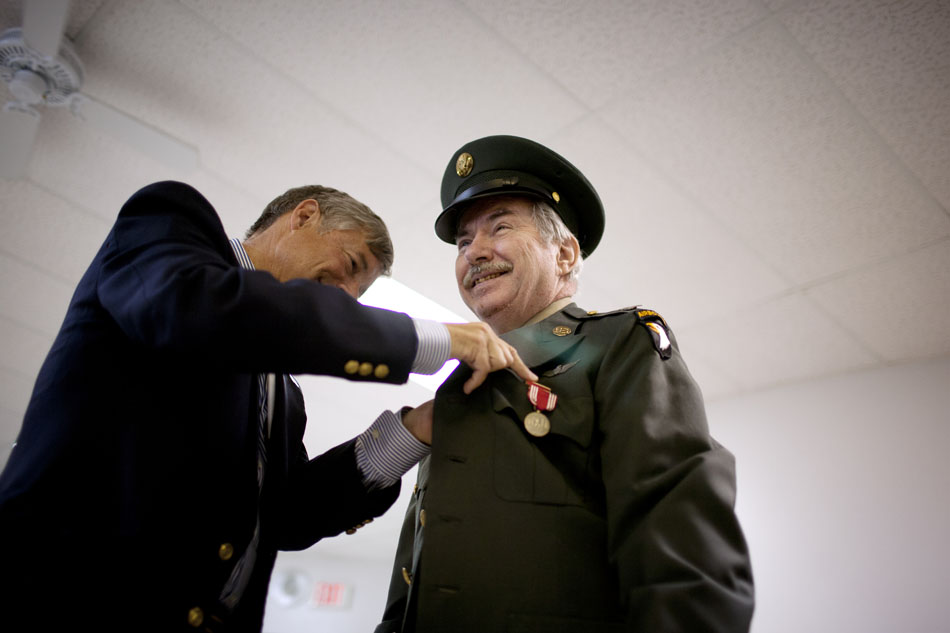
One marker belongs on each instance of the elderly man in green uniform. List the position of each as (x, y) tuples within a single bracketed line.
[(593, 499)]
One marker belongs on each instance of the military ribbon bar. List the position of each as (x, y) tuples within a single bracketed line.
[(541, 397)]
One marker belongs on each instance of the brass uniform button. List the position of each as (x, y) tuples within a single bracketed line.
[(351, 531), (591, 312), (351, 366), (196, 617), (381, 371), (226, 551), (366, 369), (422, 518), (406, 576), (561, 330), (556, 196)]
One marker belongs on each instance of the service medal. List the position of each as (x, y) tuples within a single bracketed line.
[(537, 424)]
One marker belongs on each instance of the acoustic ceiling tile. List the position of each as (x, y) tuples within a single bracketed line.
[(263, 134), (73, 160), (784, 340), (658, 240), (23, 349), (614, 44), (48, 231), (15, 392), (760, 136), (899, 308), (889, 59), (32, 298), (422, 76), (10, 422)]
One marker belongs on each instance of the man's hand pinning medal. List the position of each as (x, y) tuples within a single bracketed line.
[(476, 345)]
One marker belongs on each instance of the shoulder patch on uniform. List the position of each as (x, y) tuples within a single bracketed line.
[(659, 331)]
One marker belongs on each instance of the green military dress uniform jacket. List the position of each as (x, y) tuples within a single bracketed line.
[(620, 518)]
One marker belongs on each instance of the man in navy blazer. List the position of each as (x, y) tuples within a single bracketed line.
[(161, 463)]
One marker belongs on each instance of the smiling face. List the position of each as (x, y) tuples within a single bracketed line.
[(294, 248), (506, 272), (337, 258)]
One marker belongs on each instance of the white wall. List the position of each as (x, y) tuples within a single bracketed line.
[(367, 579), (844, 493)]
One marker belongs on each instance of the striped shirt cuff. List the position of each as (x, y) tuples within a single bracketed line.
[(387, 450), (435, 344)]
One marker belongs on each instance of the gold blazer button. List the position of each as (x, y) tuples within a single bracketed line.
[(196, 617)]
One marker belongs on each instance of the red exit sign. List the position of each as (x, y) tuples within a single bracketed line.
[(331, 595)]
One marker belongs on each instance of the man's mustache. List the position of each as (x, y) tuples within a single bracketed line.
[(481, 270)]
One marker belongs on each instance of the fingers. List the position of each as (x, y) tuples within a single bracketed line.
[(479, 347), (477, 378), (418, 421), (508, 358), (521, 369)]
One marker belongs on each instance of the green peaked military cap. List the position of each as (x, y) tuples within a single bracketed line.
[(511, 165)]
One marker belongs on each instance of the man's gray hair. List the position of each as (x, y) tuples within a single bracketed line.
[(552, 228), (338, 212)]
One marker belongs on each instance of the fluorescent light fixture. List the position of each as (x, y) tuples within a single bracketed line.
[(390, 294)]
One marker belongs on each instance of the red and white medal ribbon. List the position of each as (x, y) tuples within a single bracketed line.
[(536, 423), (541, 397)]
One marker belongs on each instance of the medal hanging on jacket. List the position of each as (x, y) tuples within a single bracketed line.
[(536, 423)]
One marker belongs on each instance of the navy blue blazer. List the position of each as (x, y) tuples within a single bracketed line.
[(131, 491)]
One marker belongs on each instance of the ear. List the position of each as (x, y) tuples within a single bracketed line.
[(568, 255), (307, 211)]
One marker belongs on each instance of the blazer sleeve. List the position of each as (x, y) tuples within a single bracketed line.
[(170, 282), (326, 496), (673, 535)]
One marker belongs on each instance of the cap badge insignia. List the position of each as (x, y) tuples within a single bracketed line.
[(464, 164)]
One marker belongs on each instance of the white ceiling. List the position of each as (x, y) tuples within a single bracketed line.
[(776, 173)]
